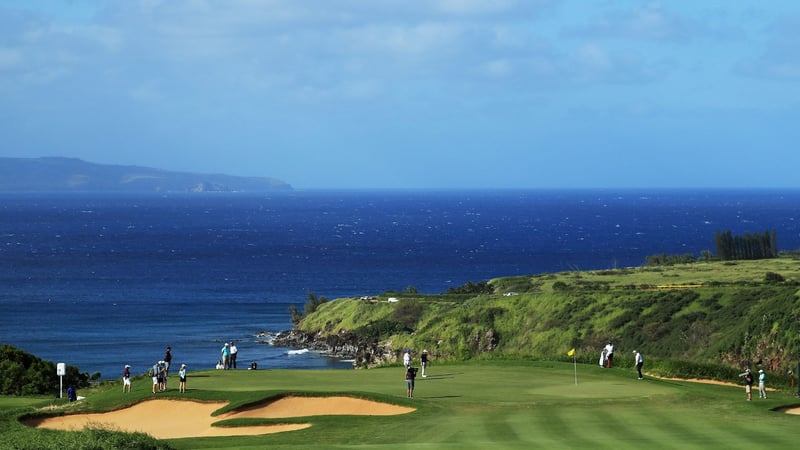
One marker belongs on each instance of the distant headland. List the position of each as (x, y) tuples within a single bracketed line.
[(58, 174)]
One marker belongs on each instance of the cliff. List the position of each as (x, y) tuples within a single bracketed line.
[(717, 312)]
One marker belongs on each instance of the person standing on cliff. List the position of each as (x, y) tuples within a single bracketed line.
[(234, 353), (126, 379), (182, 376), (162, 376), (424, 362), (153, 372), (167, 360), (226, 356)]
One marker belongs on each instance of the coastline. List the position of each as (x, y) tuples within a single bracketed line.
[(343, 346)]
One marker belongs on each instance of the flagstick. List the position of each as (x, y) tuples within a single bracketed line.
[(575, 363)]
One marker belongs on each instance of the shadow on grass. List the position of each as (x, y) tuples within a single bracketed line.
[(439, 377)]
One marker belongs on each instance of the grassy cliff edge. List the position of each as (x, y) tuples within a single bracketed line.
[(704, 316)]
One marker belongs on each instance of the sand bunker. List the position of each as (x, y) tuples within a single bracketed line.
[(707, 381), (321, 406), (170, 419)]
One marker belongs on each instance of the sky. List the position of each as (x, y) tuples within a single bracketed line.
[(411, 94)]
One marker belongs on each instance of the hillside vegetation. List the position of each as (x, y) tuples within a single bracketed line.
[(724, 314)]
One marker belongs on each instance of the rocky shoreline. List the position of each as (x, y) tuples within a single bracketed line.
[(343, 345)]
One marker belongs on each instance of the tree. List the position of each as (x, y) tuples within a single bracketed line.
[(749, 246), (470, 287), (313, 303), (296, 315), (22, 373)]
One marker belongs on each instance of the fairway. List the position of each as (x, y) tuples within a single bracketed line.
[(480, 405)]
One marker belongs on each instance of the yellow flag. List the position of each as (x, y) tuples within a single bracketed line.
[(571, 352)]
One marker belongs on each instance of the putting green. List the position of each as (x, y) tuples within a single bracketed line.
[(479, 405)]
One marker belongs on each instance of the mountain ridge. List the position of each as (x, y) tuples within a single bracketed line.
[(64, 174)]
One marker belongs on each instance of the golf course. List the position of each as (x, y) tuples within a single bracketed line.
[(476, 404), (514, 364)]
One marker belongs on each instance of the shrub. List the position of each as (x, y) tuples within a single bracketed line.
[(560, 286), (89, 438), (772, 277), (24, 374), (481, 287), (407, 313)]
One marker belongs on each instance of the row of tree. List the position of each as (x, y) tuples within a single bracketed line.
[(664, 259), (749, 246)]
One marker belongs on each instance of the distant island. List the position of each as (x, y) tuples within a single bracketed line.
[(58, 174)]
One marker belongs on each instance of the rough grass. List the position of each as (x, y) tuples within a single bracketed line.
[(725, 313), (481, 404)]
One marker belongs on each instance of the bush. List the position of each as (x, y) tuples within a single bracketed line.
[(24, 438), (373, 331), (24, 374), (560, 286), (772, 277), (481, 287), (407, 313)]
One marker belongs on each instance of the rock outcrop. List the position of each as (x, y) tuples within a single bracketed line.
[(343, 345)]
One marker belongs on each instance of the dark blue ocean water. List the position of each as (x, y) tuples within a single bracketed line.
[(100, 281)]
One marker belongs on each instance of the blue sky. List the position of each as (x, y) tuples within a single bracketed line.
[(411, 94)]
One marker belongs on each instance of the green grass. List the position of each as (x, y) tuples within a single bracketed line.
[(728, 314), (477, 405)]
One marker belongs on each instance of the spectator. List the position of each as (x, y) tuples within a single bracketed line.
[(182, 376), (226, 356), (411, 373), (234, 352), (126, 379), (167, 360)]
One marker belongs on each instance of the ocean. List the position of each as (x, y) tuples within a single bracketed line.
[(99, 281)]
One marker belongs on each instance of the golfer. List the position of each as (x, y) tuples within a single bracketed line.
[(748, 383), (639, 361), (609, 354)]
